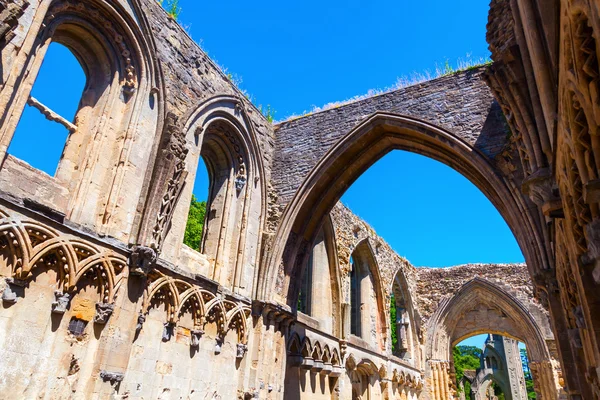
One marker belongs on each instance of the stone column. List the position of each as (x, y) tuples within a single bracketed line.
[(441, 387)]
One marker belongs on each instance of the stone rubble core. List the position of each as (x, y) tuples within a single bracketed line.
[(289, 293)]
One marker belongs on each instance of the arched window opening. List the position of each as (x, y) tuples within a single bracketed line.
[(49, 116), (87, 138), (482, 364), (355, 300), (318, 296), (365, 298), (400, 321), (223, 170), (194, 227)]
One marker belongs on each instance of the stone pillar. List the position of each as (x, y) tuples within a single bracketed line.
[(441, 387), (544, 382), (269, 352)]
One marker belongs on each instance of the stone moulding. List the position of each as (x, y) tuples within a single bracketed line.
[(181, 296)]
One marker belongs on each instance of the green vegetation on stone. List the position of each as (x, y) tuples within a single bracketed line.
[(268, 112), (195, 223), (465, 357), (172, 8), (527, 373), (393, 323)]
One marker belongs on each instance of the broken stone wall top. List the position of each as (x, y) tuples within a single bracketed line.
[(436, 283), (460, 103)]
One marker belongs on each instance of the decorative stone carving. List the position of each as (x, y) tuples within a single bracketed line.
[(172, 170), (61, 302), (168, 331), (219, 340), (140, 322), (114, 33), (103, 312), (240, 182), (307, 363), (241, 350), (9, 295), (112, 377), (543, 191), (10, 12), (142, 260), (195, 335)]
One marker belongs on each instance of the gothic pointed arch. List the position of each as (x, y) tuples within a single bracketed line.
[(367, 310), (115, 55), (320, 292), (481, 306), (220, 132), (356, 152)]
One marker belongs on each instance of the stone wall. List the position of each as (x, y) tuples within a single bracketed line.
[(433, 284), (460, 103)]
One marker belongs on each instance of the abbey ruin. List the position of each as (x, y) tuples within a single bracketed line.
[(102, 300)]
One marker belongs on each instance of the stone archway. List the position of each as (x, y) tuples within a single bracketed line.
[(374, 137), (480, 306)]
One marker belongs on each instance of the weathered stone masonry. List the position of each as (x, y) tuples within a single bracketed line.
[(101, 299)]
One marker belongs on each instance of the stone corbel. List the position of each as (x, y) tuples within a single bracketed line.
[(103, 312), (317, 366), (336, 371), (140, 322), (142, 260), (219, 340), (327, 369), (61, 302), (543, 191), (113, 377), (241, 350), (196, 334), (307, 363), (9, 295), (168, 331)]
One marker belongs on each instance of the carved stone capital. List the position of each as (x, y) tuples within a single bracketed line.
[(543, 191), (142, 260)]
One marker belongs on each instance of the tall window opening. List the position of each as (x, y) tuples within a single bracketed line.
[(483, 365), (355, 306), (318, 295), (400, 320), (366, 307), (49, 116), (194, 227)]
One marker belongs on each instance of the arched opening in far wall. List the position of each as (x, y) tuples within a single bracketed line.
[(478, 307), (354, 154)]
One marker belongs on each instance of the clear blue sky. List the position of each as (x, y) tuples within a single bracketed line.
[(294, 56)]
